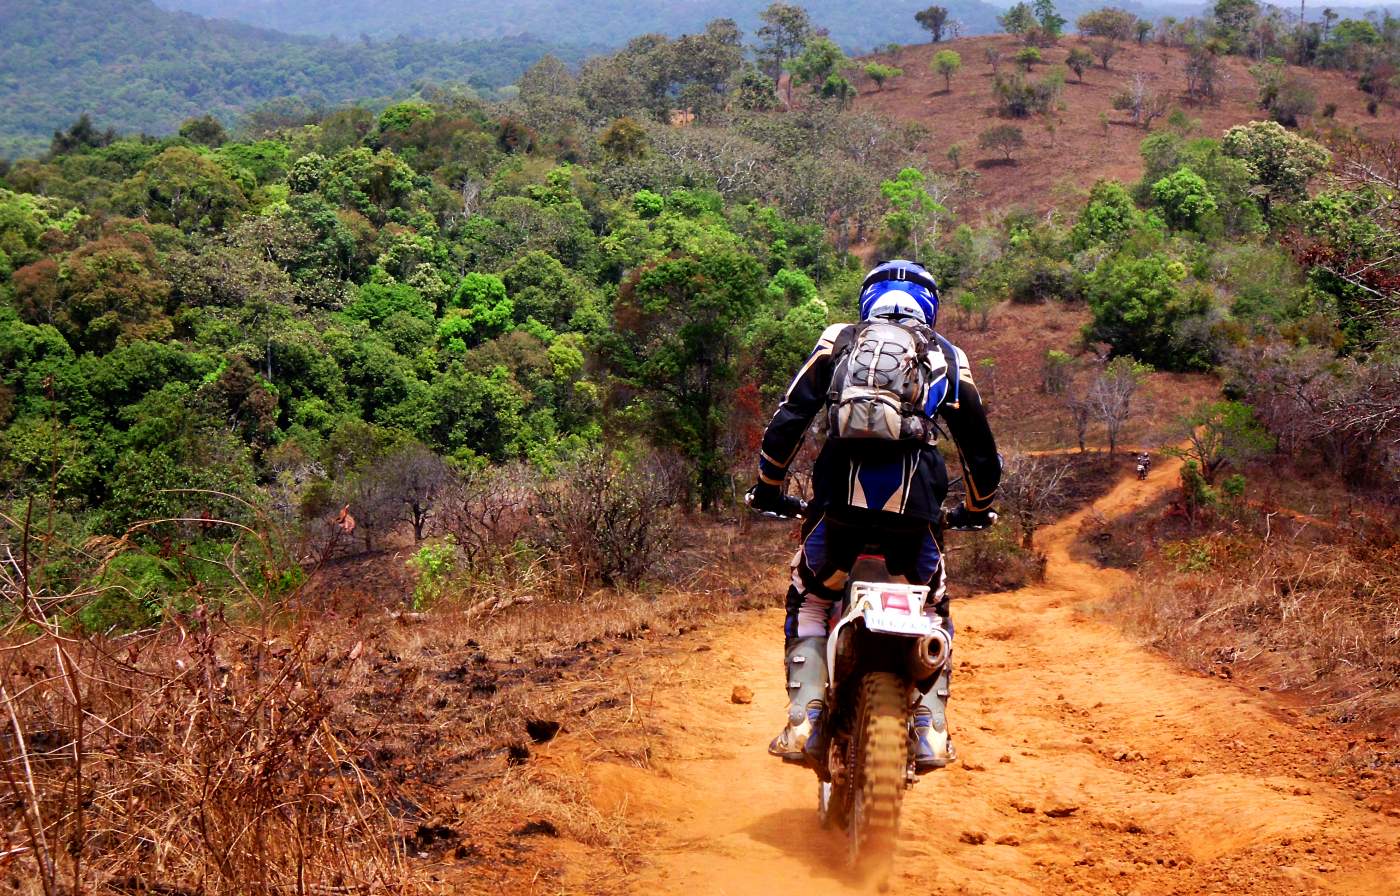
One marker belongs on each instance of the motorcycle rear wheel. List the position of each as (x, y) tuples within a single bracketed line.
[(878, 775)]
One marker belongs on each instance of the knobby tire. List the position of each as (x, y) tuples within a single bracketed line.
[(881, 760)]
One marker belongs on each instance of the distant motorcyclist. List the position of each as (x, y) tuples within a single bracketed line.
[(1144, 463), (878, 483)]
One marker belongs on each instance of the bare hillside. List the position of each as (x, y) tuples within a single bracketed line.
[(1080, 149)]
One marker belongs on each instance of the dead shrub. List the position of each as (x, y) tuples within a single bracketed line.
[(1321, 619), (606, 520), (993, 560), (488, 511)]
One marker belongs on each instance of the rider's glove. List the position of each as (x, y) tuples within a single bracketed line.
[(769, 500), (964, 520)]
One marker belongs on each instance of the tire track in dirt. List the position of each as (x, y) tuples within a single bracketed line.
[(1088, 765)]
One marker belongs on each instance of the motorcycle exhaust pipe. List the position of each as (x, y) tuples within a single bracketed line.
[(931, 654)]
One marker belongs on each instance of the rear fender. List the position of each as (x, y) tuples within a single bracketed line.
[(887, 609)]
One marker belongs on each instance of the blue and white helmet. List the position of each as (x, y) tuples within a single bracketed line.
[(899, 290)]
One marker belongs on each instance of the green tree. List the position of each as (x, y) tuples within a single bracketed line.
[(784, 32), (1079, 60), (1222, 432), (1018, 19), (819, 60), (481, 309), (934, 20), (754, 91), (1233, 21), (836, 87), (880, 73), (402, 116), (183, 188), (205, 130), (1002, 138), (107, 291), (1282, 163), (1108, 217), (677, 343), (624, 139), (1026, 57), (915, 212), (1185, 198), (947, 63), (377, 302), (1051, 22), (1141, 306)]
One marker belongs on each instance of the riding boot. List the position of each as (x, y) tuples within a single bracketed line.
[(933, 748), (806, 683)]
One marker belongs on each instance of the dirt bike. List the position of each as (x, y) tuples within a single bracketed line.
[(885, 641), (1142, 467)]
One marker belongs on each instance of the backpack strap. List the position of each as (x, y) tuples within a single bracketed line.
[(950, 356), (840, 349)]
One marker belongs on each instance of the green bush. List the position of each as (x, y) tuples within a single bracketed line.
[(1185, 199), (432, 567), (1144, 306)]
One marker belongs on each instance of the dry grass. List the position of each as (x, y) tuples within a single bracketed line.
[(1320, 618), (207, 760), (324, 747)]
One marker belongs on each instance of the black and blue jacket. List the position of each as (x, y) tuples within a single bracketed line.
[(907, 478)]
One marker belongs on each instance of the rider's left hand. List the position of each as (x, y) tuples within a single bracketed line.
[(964, 520), (770, 501)]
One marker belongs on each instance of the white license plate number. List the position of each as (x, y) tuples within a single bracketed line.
[(897, 623)]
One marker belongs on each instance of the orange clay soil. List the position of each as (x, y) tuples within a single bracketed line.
[(1088, 765)]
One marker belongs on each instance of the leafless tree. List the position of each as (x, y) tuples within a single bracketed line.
[(1105, 48), (1110, 395), (1144, 103), (1346, 409), (734, 165), (1202, 72), (606, 521), (993, 59), (402, 485), (1081, 411), (1030, 488), (420, 477)]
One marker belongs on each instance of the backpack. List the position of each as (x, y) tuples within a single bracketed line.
[(883, 376)]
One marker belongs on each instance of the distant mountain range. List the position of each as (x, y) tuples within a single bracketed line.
[(135, 66), (855, 24)]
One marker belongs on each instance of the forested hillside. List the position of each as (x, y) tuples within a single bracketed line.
[(856, 25), (609, 22), (137, 67)]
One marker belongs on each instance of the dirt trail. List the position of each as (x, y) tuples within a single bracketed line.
[(1158, 781)]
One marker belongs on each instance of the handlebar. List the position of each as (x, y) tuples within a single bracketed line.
[(796, 508)]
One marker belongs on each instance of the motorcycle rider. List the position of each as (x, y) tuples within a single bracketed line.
[(1144, 463), (878, 494)]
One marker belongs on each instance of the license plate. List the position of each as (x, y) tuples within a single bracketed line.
[(896, 623)]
